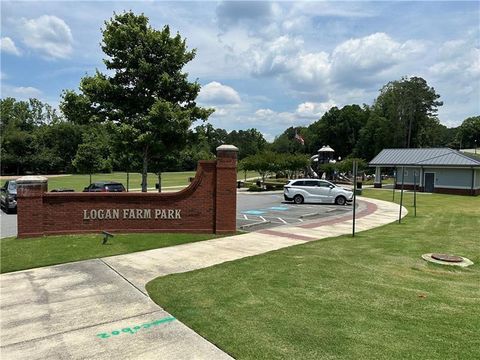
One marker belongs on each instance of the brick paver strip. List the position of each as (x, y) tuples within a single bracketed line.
[(368, 210)]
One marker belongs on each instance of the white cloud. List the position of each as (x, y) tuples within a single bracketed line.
[(312, 110), (336, 9), (275, 57), (215, 93), (20, 92), (7, 45), (459, 58), (456, 75), (311, 73), (363, 59), (359, 62), (303, 115), (49, 35)]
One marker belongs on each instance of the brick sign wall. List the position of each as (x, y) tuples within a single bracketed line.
[(208, 205)]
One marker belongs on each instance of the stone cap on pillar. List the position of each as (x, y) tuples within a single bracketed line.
[(31, 186), (26, 180), (225, 147)]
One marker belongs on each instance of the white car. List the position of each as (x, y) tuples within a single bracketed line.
[(316, 191)]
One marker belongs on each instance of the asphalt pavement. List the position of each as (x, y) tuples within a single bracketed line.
[(8, 224), (256, 211)]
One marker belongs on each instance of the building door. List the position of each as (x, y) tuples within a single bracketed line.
[(429, 182)]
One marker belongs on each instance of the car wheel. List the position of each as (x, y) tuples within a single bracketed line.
[(340, 200), (298, 199)]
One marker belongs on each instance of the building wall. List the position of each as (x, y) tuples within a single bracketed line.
[(447, 177), (408, 177), (447, 180), (208, 205)]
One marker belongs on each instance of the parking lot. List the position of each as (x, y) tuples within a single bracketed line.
[(8, 224), (257, 211)]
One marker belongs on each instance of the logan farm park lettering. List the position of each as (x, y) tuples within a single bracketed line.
[(132, 214)]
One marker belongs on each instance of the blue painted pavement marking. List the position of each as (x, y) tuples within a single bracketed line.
[(278, 208), (253, 212)]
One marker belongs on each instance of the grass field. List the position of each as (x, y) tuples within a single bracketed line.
[(20, 254), (368, 297), (79, 182)]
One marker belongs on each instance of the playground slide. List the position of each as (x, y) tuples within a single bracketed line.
[(312, 173)]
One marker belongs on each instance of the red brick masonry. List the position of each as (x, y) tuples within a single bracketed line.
[(208, 205)]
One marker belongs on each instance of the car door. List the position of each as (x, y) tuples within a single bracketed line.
[(325, 192), (313, 190)]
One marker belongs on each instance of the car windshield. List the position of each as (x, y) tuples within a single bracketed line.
[(12, 186)]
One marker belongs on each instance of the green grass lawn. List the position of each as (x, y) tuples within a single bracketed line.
[(368, 297), (20, 254), (79, 182), (384, 181)]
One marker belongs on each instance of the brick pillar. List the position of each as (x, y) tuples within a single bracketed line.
[(30, 190), (226, 190)]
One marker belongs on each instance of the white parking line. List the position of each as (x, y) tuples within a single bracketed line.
[(245, 217), (282, 220), (261, 217)]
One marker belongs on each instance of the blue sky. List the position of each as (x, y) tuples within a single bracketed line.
[(268, 65)]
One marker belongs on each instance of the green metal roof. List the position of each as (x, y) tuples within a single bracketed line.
[(424, 157)]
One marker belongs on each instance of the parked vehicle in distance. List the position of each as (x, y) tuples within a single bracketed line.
[(8, 196), (316, 191), (105, 186)]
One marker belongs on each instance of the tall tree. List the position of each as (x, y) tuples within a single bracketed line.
[(147, 95), (339, 128), (286, 142), (249, 142), (55, 146), (468, 135), (410, 105), (373, 137), (93, 154), (19, 121)]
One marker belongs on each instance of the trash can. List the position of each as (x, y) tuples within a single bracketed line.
[(239, 184), (358, 191)]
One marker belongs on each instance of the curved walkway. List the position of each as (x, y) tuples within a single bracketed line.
[(99, 308), (141, 267)]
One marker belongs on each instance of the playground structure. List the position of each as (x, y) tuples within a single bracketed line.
[(324, 156)]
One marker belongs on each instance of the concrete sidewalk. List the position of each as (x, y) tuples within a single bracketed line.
[(99, 308), (139, 268)]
